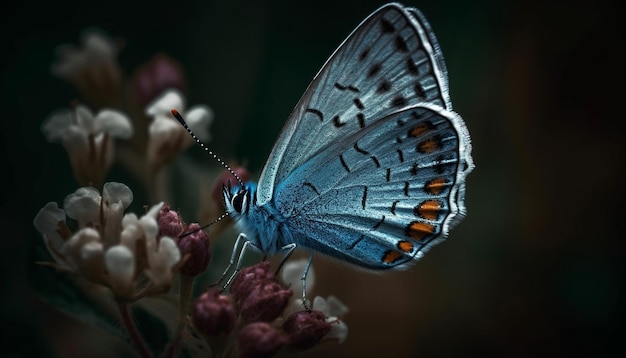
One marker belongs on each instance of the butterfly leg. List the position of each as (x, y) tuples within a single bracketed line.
[(241, 237), (290, 248), (244, 248), (304, 275)]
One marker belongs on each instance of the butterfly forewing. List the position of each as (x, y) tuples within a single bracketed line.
[(390, 61)]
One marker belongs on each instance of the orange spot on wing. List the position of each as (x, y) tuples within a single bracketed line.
[(428, 146), (419, 230), (391, 256), (435, 186), (429, 209), (418, 130), (406, 246)]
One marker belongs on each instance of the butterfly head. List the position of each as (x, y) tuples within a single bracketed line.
[(238, 198)]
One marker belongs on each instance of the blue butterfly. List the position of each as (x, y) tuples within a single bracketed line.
[(370, 167)]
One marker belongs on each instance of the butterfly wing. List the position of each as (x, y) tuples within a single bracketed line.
[(384, 195), (391, 60)]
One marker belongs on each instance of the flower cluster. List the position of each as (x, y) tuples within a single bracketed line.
[(126, 123), (109, 247), (269, 320)]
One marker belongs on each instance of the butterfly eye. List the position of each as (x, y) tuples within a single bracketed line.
[(240, 201)]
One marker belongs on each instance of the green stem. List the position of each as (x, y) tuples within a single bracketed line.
[(135, 336)]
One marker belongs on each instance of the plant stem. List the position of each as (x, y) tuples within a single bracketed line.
[(135, 336), (186, 285)]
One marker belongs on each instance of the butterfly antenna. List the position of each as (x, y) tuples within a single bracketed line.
[(180, 119), (205, 226)]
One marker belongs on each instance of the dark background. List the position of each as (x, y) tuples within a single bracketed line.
[(536, 268)]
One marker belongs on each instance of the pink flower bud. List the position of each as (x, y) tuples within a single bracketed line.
[(306, 328), (157, 75), (248, 278), (214, 313), (265, 302), (170, 222), (260, 339), (195, 249)]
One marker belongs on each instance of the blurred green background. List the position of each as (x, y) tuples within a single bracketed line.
[(536, 268)]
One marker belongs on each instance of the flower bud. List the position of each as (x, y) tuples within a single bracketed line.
[(154, 77), (195, 248), (248, 278), (306, 328), (170, 222), (214, 313), (265, 302), (260, 339)]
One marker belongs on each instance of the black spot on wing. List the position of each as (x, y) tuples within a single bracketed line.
[(361, 118), (374, 70), (337, 122), (383, 87), (400, 155), (343, 163), (312, 187), (387, 26), (341, 87), (382, 220), (401, 44), (356, 242), (419, 90), (364, 198), (398, 101), (316, 112), (359, 149), (393, 207), (357, 102), (410, 65), (364, 54)]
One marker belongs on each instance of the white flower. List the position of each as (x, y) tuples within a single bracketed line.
[(50, 222), (333, 309), (167, 136), (88, 139), (96, 48), (92, 68)]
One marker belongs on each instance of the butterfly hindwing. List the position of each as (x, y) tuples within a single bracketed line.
[(384, 195), (390, 61)]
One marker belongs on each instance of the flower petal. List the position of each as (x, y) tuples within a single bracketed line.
[(199, 119), (98, 46), (48, 218), (85, 119), (335, 307), (168, 250), (56, 125), (170, 99), (120, 262), (338, 330), (115, 123), (113, 192), (83, 205)]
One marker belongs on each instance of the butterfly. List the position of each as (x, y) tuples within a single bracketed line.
[(370, 167)]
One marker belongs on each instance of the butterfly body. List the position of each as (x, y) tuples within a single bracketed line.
[(370, 167)]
